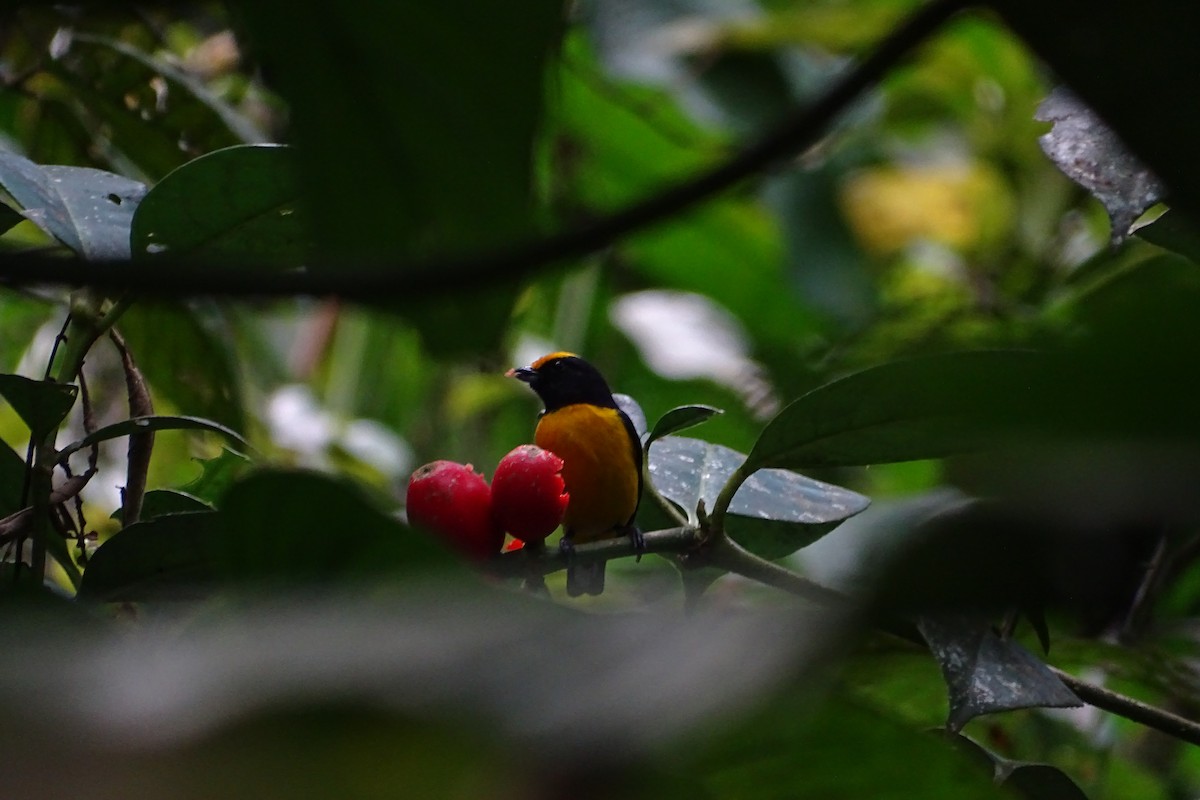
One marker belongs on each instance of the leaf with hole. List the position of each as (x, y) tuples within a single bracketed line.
[(237, 206), (907, 410), (986, 674), (774, 513), (681, 418), (41, 405), (88, 210), (156, 114)]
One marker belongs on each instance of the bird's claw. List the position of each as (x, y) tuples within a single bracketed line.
[(638, 540)]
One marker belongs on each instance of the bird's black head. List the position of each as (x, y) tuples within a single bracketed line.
[(563, 379)]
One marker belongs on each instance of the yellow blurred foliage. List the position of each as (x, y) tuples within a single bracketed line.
[(963, 207)]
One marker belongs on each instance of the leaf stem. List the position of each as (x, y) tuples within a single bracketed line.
[(716, 519)]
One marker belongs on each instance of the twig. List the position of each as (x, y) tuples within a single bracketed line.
[(383, 282), (542, 561), (725, 553), (1151, 716)]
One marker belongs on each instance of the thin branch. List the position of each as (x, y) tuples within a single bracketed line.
[(1135, 710), (383, 282), (543, 561), (724, 553)]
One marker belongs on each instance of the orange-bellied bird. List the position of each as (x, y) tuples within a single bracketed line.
[(601, 453)]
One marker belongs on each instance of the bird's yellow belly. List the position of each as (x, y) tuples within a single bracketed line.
[(598, 468)]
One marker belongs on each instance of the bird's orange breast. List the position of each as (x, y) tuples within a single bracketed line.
[(599, 469)]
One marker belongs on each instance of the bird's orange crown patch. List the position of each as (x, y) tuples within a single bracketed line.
[(550, 357)]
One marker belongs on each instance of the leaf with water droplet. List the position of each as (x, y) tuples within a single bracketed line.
[(74, 205), (774, 513), (237, 205), (986, 674)]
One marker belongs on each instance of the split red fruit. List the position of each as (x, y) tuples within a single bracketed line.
[(528, 493), (454, 502)]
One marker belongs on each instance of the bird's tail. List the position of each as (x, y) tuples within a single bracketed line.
[(585, 578)]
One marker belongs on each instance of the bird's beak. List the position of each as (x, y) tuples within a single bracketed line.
[(526, 374)]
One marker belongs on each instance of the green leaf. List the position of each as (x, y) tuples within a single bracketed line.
[(42, 405), (417, 123), (88, 210), (21, 317), (848, 752), (680, 418), (286, 527), (907, 410), (9, 218), (217, 474), (161, 502), (774, 513), (236, 206), (301, 526), (206, 383), (170, 557), (986, 674), (146, 425), (1041, 782), (1174, 232), (12, 479)]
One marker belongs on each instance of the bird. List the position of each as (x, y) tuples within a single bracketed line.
[(601, 453)]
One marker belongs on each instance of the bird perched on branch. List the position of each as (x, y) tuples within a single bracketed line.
[(601, 453)]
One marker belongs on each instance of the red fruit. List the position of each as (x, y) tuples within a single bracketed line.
[(454, 502), (528, 493)]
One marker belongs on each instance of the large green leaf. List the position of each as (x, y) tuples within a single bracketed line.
[(290, 526), (274, 527), (774, 513), (904, 411), (416, 122), (170, 557), (236, 206), (42, 405), (88, 210)]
